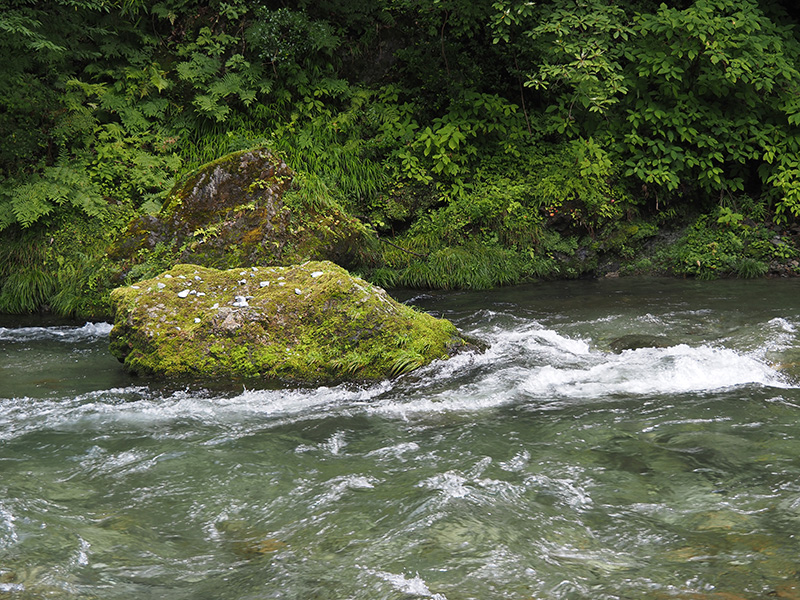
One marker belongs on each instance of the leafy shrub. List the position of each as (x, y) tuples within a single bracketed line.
[(699, 98), (713, 248)]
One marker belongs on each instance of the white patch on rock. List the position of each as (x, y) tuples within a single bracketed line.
[(184, 293), (316, 274), (240, 301), (298, 291), (264, 283), (160, 285)]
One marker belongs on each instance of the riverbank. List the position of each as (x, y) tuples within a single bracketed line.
[(437, 146), (67, 271)]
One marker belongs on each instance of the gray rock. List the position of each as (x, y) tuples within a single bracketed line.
[(635, 341)]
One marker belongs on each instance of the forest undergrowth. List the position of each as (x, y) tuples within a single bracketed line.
[(476, 144)]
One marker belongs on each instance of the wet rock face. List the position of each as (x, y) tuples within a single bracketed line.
[(637, 341), (227, 212), (310, 323), (230, 213)]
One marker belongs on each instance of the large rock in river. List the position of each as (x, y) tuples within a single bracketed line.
[(231, 213), (227, 212), (308, 323)]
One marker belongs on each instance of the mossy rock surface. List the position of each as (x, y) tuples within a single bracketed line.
[(227, 212), (231, 213), (311, 323)]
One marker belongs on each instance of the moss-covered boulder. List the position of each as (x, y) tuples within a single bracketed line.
[(233, 212), (225, 213), (309, 323)]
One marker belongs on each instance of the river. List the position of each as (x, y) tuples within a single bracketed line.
[(548, 467)]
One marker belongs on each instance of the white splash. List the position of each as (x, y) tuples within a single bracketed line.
[(677, 369), (413, 586), (64, 333)]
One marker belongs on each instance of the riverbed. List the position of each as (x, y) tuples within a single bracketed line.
[(554, 465)]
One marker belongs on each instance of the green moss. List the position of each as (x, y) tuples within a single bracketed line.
[(310, 323)]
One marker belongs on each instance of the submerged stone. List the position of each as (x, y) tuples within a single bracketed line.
[(228, 327)]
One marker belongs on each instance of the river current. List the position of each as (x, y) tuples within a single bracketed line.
[(547, 467)]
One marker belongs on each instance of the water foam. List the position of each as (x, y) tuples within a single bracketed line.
[(524, 361), (535, 363), (66, 334), (412, 586), (140, 407), (8, 530), (677, 369)]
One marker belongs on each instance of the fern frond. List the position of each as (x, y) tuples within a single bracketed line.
[(405, 363), (200, 68), (59, 185)]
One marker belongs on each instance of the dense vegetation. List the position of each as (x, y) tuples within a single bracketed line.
[(484, 142)]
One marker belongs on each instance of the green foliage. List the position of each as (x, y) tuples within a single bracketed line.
[(25, 283), (719, 77), (216, 77), (707, 252), (83, 285), (723, 244), (60, 186), (500, 229), (336, 146), (584, 44), (749, 268), (150, 263), (446, 149), (700, 98), (405, 363), (730, 218), (460, 267), (449, 127), (511, 199), (286, 37), (61, 268)]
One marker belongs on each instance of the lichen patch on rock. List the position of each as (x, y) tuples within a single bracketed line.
[(308, 323)]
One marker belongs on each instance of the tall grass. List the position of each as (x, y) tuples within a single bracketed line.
[(473, 267), (26, 285)]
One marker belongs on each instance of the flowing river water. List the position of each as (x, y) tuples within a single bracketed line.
[(548, 467)]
